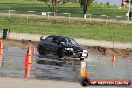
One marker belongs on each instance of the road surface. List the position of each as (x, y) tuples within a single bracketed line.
[(23, 83)]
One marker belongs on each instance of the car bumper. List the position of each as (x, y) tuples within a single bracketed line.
[(76, 54)]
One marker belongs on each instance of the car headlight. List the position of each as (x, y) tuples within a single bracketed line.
[(69, 49), (84, 54), (85, 51)]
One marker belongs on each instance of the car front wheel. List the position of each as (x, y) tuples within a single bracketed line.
[(81, 59), (60, 53)]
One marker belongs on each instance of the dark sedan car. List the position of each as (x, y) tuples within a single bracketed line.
[(61, 46)]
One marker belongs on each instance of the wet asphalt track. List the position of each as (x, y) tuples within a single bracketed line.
[(51, 67)]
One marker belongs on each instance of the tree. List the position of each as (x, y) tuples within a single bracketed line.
[(122, 3), (53, 4), (107, 3), (85, 4)]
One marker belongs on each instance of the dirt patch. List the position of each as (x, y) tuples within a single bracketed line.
[(94, 50), (127, 53), (71, 23), (22, 43)]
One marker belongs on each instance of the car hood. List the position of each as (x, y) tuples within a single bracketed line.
[(75, 47)]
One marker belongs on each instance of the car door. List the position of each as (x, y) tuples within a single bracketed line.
[(54, 45), (48, 43)]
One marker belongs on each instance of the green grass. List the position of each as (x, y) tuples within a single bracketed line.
[(16, 1), (97, 31), (22, 6)]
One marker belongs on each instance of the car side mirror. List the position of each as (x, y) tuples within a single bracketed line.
[(41, 38)]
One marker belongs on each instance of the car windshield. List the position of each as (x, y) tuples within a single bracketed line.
[(69, 41)]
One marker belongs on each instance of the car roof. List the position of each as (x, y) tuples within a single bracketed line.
[(58, 36)]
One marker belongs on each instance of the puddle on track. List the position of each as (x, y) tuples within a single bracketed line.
[(50, 67), (101, 68)]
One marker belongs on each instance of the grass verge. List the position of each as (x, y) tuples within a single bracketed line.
[(22, 6), (87, 30)]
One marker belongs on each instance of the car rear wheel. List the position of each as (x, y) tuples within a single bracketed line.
[(41, 50)]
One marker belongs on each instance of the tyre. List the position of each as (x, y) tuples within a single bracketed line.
[(81, 59), (41, 50), (60, 53), (85, 82)]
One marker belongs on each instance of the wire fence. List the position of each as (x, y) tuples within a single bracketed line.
[(65, 16)]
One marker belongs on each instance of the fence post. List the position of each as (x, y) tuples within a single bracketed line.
[(28, 14), (106, 17), (89, 16), (68, 16), (10, 13)]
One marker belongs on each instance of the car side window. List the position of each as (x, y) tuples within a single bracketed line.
[(49, 39), (64, 40), (55, 40)]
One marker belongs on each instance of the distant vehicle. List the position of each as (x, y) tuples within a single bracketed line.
[(61, 46)]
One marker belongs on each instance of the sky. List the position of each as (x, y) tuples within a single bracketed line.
[(112, 2)]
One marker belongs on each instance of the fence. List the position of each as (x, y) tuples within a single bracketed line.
[(66, 16)]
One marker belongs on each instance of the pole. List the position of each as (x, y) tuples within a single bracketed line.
[(89, 16), (129, 10), (48, 14), (9, 14), (113, 44), (69, 17), (105, 16), (27, 17), (28, 14)]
